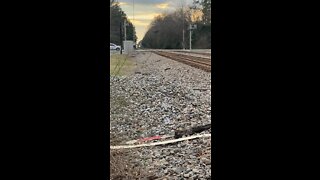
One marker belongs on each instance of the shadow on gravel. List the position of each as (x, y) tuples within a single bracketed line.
[(121, 168)]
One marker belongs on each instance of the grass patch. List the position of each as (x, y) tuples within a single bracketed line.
[(118, 104), (120, 65), (121, 101)]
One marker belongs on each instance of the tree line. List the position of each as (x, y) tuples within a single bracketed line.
[(117, 18), (165, 31)]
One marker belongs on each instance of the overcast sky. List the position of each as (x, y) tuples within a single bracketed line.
[(146, 10)]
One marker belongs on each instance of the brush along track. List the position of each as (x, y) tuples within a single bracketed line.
[(197, 62)]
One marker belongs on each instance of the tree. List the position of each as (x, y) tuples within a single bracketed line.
[(117, 18), (202, 35), (205, 6), (165, 31)]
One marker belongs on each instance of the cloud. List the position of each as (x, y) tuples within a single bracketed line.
[(144, 16), (155, 2), (143, 23), (162, 5), (123, 3), (144, 1)]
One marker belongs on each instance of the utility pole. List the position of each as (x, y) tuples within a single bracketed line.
[(133, 37), (125, 29), (190, 36), (133, 21), (183, 44), (183, 38), (121, 38), (191, 27)]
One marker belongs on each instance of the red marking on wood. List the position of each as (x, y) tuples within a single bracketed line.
[(150, 138)]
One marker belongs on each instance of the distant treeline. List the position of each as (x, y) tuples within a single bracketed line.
[(165, 31), (117, 17)]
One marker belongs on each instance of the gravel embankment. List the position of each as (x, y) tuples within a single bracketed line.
[(159, 98)]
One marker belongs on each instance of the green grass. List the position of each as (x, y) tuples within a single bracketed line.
[(122, 62)]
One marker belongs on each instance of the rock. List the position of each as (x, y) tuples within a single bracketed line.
[(172, 152), (167, 153), (195, 170), (206, 161), (177, 170), (188, 170)]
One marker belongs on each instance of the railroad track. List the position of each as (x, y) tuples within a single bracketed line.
[(192, 52), (197, 62)]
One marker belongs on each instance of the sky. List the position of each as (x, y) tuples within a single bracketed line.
[(144, 11)]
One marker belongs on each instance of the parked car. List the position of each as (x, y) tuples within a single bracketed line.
[(114, 47)]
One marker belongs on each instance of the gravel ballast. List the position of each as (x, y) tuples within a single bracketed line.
[(159, 97)]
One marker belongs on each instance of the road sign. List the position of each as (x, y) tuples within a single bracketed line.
[(192, 26)]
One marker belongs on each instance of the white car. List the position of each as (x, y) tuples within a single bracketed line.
[(114, 47)]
